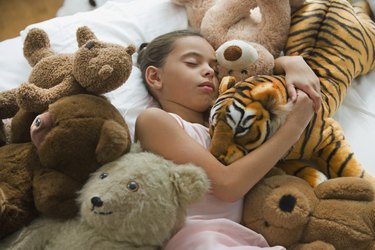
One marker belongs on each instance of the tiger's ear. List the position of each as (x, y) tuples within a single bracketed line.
[(226, 83)]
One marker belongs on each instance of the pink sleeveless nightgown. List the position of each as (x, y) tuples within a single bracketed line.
[(213, 224)]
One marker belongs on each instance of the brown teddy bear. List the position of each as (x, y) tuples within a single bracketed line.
[(96, 67), (337, 214), (77, 135)]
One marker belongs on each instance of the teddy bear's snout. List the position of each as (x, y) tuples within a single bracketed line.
[(287, 203), (96, 201)]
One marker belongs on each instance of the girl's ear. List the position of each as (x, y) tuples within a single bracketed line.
[(153, 78)]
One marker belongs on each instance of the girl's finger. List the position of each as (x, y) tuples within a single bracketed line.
[(291, 92)]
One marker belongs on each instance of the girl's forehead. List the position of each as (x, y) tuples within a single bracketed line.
[(194, 44)]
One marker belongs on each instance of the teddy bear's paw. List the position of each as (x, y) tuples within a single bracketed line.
[(30, 98), (6, 208), (8, 104), (114, 141), (316, 245), (296, 4)]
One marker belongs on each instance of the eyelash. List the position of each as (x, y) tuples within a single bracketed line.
[(191, 63), (195, 64)]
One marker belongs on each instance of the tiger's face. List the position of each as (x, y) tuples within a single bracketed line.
[(245, 116)]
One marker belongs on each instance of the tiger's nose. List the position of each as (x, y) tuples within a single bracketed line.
[(96, 201)]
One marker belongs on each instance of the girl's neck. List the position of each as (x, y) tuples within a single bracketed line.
[(186, 114)]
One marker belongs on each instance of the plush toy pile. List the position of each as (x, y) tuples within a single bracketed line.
[(135, 202), (247, 114), (247, 35), (74, 129), (337, 214), (97, 67), (87, 131)]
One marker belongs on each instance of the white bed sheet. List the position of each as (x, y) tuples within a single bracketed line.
[(139, 21)]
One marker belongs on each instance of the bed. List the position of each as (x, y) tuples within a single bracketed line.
[(137, 21)]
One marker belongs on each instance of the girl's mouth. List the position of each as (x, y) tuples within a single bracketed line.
[(207, 87)]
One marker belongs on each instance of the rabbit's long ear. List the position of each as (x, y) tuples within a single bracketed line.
[(84, 34)]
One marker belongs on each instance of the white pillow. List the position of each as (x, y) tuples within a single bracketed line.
[(122, 22)]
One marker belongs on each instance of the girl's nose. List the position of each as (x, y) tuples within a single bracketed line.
[(209, 71)]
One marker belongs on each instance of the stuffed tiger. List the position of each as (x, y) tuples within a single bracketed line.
[(337, 41)]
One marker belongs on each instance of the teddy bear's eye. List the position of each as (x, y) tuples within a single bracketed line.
[(230, 72), (90, 45), (37, 122), (133, 186), (244, 72), (103, 175)]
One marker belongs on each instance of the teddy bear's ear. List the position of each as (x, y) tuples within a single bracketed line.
[(114, 141), (36, 46), (274, 171), (84, 34), (136, 148), (191, 183), (131, 49)]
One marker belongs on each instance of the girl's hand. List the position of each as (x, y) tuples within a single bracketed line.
[(299, 75), (301, 113)]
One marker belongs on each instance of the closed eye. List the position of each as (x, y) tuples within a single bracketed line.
[(191, 64)]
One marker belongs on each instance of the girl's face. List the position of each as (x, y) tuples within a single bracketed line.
[(188, 77)]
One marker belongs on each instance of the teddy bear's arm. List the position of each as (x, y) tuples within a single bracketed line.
[(217, 33), (321, 245), (114, 141), (55, 193), (36, 99), (276, 18), (195, 9), (348, 188), (8, 104), (34, 236)]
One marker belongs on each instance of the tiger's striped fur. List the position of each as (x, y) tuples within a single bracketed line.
[(337, 41)]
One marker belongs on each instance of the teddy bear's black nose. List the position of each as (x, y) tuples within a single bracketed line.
[(287, 203), (96, 201)]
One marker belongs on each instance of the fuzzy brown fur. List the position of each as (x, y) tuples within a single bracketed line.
[(88, 131), (96, 67), (337, 214)]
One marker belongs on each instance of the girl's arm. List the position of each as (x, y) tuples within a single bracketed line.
[(299, 75), (159, 133)]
